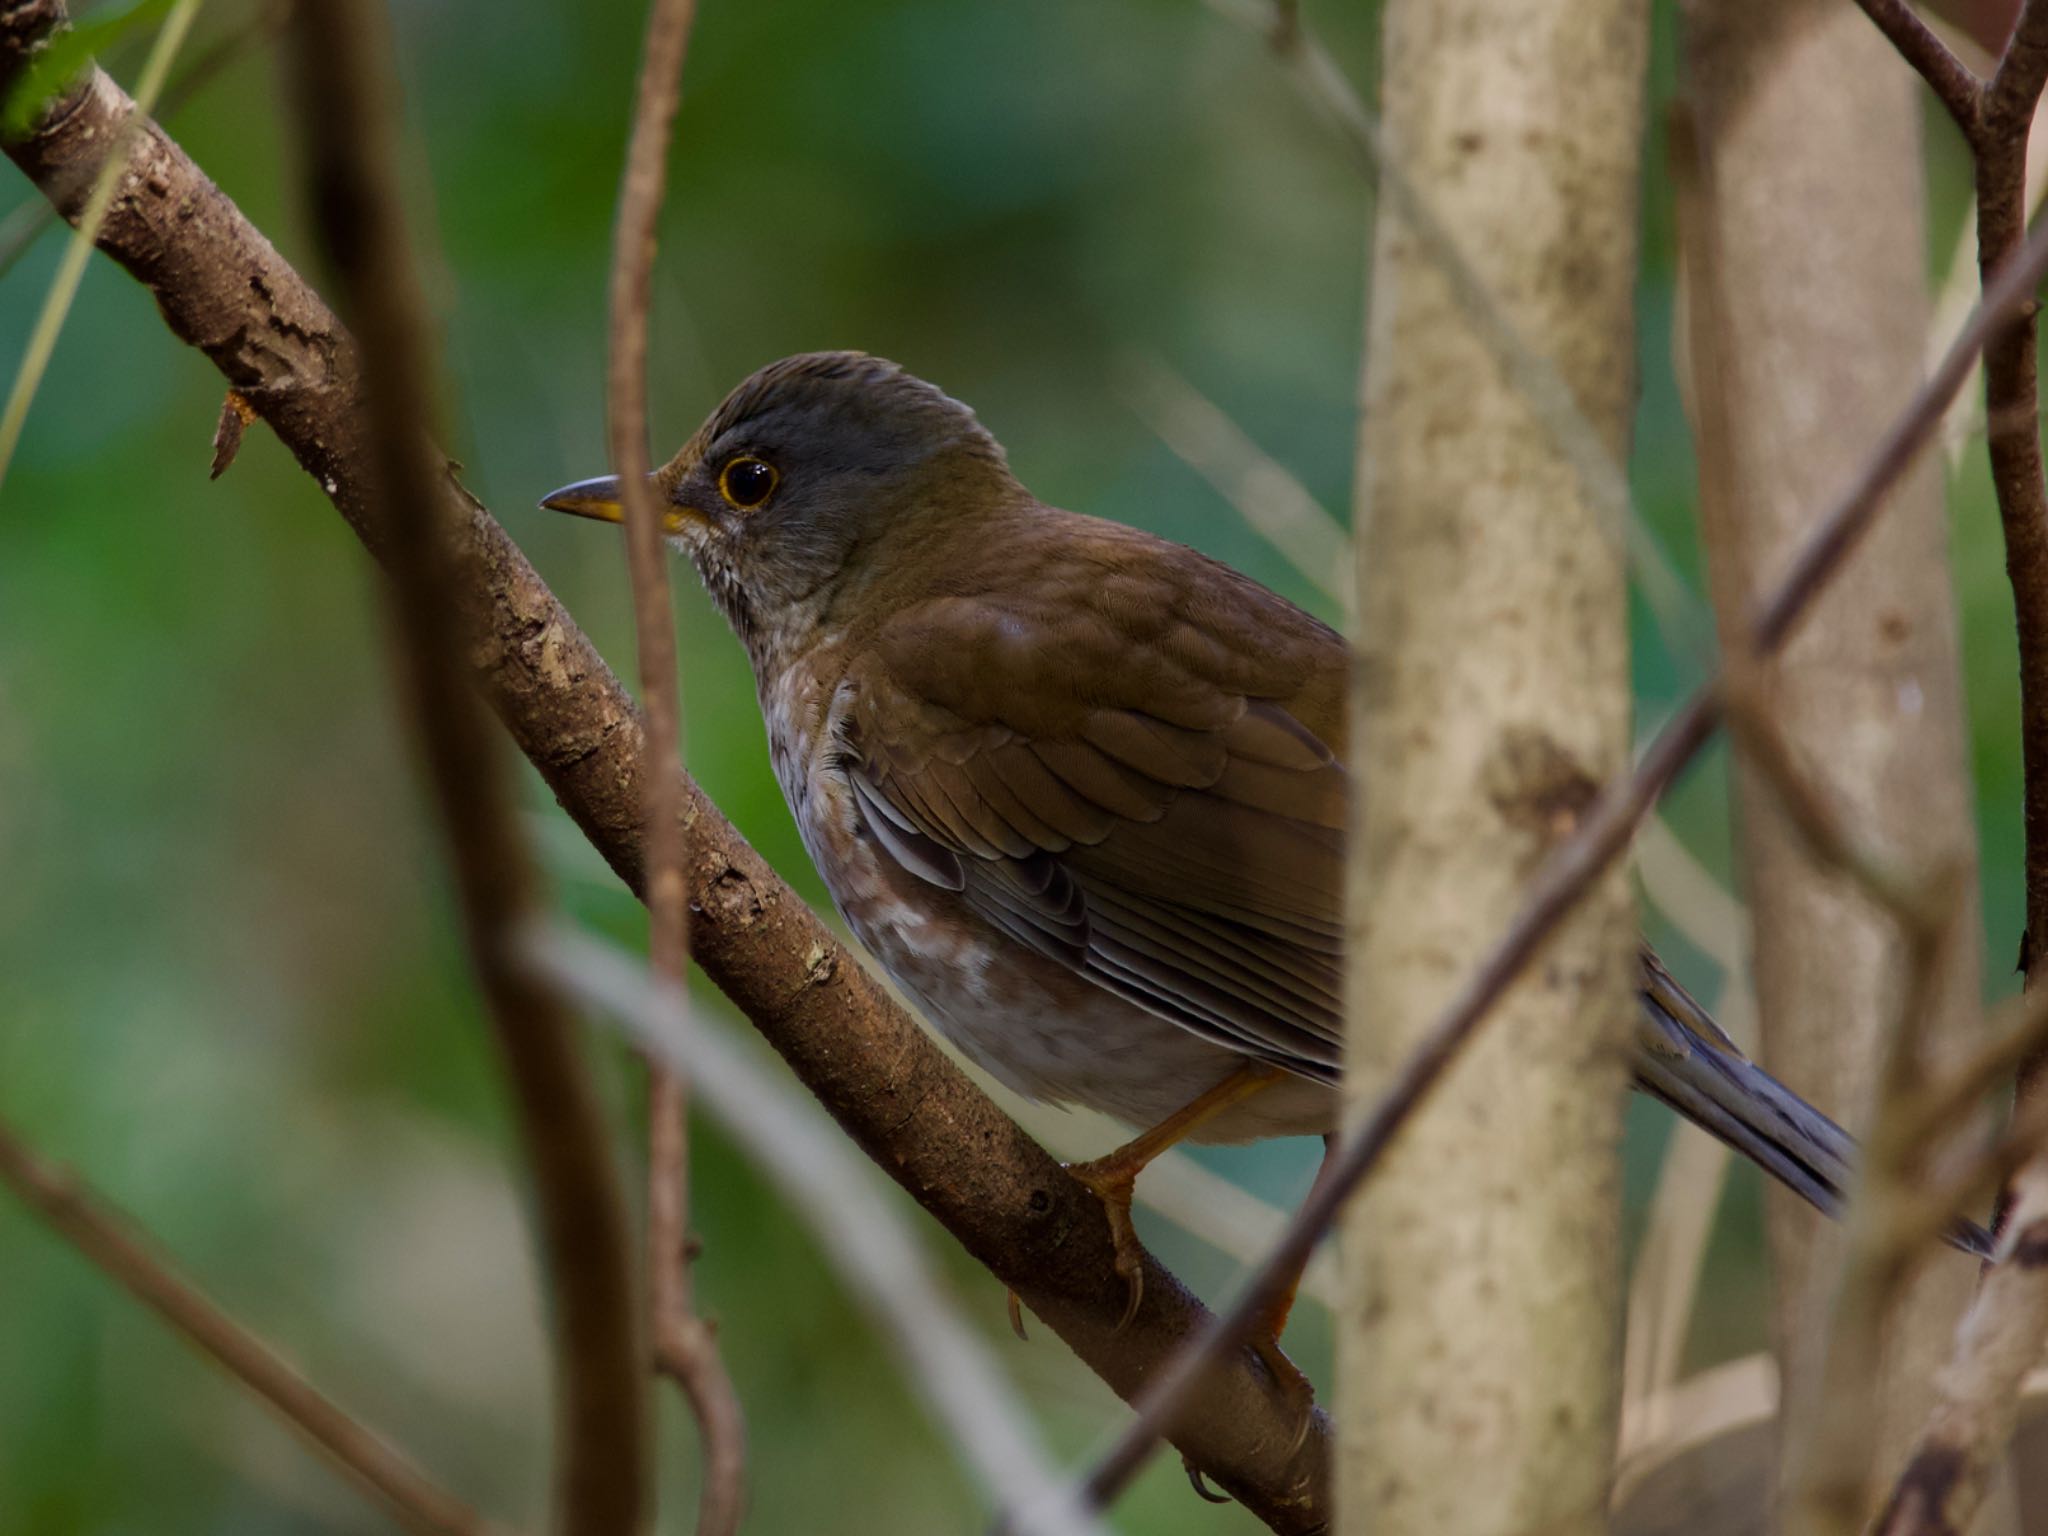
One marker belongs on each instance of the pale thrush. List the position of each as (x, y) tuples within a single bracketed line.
[(1080, 790)]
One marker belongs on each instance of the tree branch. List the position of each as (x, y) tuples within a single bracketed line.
[(82, 1219), (2013, 434), (224, 289), (1996, 117), (349, 99), (1954, 83)]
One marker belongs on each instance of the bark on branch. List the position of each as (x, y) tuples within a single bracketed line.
[(224, 289)]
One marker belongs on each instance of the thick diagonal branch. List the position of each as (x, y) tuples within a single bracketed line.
[(224, 289)]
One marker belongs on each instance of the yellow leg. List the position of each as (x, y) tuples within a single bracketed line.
[(1114, 1175), (1274, 1323), (1265, 1339)]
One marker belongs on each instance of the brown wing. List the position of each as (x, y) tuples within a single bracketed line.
[(1137, 780)]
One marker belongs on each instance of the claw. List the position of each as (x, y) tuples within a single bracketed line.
[(1112, 1181), (1200, 1484), (1292, 1384), (1016, 1315)]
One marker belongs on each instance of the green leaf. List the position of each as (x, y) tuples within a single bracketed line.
[(65, 58)]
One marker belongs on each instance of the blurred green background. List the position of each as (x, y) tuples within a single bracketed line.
[(230, 989)]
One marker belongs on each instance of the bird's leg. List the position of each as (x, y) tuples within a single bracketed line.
[(1114, 1175), (1265, 1339), (1273, 1322)]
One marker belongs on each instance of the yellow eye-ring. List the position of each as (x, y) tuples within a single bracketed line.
[(747, 482)]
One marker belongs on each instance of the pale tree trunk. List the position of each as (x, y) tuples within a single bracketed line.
[(1808, 321), (1478, 1335)]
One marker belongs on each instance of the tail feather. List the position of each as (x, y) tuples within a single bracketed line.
[(1691, 1065)]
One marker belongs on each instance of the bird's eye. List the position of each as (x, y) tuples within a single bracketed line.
[(746, 482)]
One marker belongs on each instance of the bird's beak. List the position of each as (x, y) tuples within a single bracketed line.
[(599, 499)]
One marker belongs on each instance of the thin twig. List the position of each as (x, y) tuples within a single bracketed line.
[(1600, 837), (1996, 117), (2012, 430), (349, 98), (685, 1348), (1955, 295), (870, 1246), (1954, 83), (107, 1241), (42, 340)]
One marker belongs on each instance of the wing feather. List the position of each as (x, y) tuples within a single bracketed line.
[(1146, 792)]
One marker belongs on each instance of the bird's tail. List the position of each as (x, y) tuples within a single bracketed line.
[(1692, 1066)]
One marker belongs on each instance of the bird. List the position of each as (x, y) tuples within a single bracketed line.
[(1080, 790)]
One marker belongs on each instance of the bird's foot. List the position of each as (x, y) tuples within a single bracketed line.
[(1289, 1379), (1112, 1178)]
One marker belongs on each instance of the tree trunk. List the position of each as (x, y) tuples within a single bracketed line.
[(1809, 313), (1478, 1337)]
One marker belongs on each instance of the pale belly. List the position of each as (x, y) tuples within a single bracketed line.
[(1039, 1028)]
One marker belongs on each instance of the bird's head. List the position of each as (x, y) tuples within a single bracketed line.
[(818, 474)]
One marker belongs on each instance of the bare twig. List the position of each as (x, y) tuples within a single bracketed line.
[(84, 1220), (1602, 833), (1953, 82), (1996, 116), (685, 1348), (2013, 435), (1955, 295), (870, 1245), (349, 99), (222, 286)]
